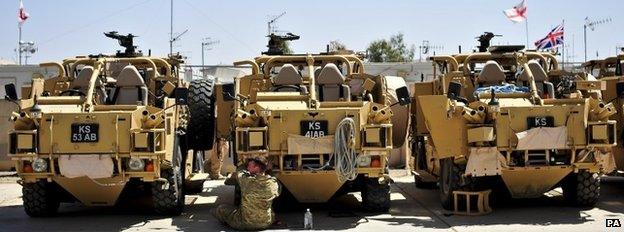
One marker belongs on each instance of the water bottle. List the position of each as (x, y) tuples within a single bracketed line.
[(308, 223)]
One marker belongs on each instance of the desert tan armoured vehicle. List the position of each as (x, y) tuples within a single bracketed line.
[(324, 125), (609, 83), (474, 130), (103, 126)]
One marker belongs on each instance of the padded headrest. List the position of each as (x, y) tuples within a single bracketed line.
[(82, 80), (491, 73), (330, 74), (538, 72), (129, 76), (115, 68), (288, 75)]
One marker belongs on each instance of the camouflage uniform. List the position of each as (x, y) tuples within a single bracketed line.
[(216, 157), (254, 212)]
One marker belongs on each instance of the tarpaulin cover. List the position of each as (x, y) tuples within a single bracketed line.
[(504, 88), (542, 138), (92, 166), (298, 144), (484, 161)]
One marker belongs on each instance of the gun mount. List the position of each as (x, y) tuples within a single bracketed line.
[(276, 43), (484, 40), (126, 41)]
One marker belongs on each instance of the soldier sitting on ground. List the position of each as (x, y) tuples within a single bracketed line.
[(258, 190)]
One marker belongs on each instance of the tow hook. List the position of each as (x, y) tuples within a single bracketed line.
[(164, 182), (385, 179)]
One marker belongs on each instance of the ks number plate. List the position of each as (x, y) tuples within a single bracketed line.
[(314, 129), (547, 121), (84, 133)]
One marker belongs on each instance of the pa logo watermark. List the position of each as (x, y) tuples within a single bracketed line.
[(613, 222)]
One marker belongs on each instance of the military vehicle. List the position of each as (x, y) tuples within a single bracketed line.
[(487, 120), (323, 124), (603, 79), (108, 124)]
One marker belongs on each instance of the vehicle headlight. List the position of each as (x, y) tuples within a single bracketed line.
[(364, 160), (136, 164), (40, 165)]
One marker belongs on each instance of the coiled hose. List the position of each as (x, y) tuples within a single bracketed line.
[(344, 150)]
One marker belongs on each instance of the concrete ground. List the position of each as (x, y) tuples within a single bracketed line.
[(412, 210)]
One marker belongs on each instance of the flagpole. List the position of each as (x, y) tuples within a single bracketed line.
[(563, 45), (526, 23), (19, 43)]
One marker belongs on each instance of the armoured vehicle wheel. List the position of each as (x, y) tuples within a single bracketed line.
[(169, 197), (422, 184), (420, 163), (39, 200), (194, 187), (237, 195), (376, 196), (448, 181), (201, 127), (582, 188)]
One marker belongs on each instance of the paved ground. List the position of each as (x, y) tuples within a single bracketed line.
[(412, 210)]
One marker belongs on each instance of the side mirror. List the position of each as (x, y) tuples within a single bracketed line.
[(229, 92), (181, 96), (619, 87), (403, 96), (454, 90), (11, 92)]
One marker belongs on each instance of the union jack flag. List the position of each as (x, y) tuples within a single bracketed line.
[(553, 39)]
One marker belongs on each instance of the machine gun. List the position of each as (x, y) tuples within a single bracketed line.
[(484, 40), (126, 41), (276, 43)]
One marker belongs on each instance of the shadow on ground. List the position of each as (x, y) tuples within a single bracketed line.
[(411, 208)]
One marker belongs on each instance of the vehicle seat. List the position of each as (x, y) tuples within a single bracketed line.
[(131, 88), (288, 80), (81, 83), (541, 79), (491, 74), (331, 85)]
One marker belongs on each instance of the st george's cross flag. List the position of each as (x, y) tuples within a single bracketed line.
[(517, 13), (22, 15)]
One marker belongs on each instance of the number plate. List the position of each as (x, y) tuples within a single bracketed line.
[(314, 129), (547, 121), (84, 133)]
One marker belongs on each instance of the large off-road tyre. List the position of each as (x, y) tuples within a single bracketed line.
[(168, 198), (196, 186), (423, 184), (582, 188), (376, 196), (201, 127), (420, 163), (449, 181), (237, 195), (39, 199)]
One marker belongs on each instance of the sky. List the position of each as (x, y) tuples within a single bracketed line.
[(66, 28)]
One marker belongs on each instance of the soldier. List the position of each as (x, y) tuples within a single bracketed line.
[(215, 163), (258, 190)]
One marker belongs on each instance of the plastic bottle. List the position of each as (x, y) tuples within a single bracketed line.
[(308, 223)]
